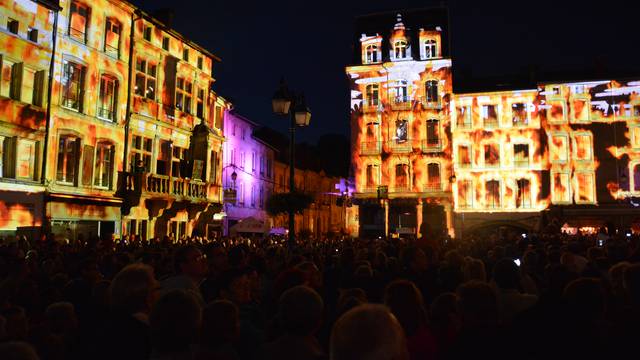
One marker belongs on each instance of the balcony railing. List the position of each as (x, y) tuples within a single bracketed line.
[(463, 123), (401, 188), (433, 187), (490, 123), (370, 147), (106, 114), (430, 103), (524, 163), (371, 105), (370, 188), (401, 102), (189, 188), (432, 145), (399, 146)]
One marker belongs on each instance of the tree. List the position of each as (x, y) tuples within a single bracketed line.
[(284, 202)]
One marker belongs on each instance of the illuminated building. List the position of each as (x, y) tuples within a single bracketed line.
[(25, 56), (251, 160), (427, 160), (69, 159)]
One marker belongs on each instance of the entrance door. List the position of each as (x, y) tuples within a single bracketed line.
[(434, 221)]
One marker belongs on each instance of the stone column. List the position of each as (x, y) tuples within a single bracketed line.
[(448, 208), (386, 218), (419, 219)]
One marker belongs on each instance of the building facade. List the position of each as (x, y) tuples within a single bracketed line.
[(428, 161), (111, 115), (252, 162)]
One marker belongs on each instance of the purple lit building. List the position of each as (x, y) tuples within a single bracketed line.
[(252, 162)]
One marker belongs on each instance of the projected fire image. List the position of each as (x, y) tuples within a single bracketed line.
[(427, 160)]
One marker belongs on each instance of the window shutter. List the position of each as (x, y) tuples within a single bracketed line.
[(16, 81), (83, 73), (77, 147), (87, 165), (10, 157), (112, 158), (38, 88), (36, 161)]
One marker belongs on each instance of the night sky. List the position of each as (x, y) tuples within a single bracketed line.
[(309, 43)]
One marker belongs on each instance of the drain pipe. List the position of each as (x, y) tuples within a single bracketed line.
[(54, 39)]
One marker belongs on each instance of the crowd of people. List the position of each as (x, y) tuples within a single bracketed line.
[(507, 295)]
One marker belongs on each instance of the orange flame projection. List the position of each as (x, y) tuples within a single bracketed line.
[(15, 215)]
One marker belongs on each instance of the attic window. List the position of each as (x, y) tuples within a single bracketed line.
[(400, 49)]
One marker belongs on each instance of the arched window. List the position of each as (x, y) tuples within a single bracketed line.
[(433, 177), (430, 49), (433, 133), (372, 54), (400, 49), (372, 93)]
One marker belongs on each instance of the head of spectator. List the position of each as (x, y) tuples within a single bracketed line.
[(584, 299), (235, 286), (300, 311), (16, 323), (405, 302), (175, 321), (134, 289), (632, 285), (220, 323), (17, 351), (506, 274), (444, 312), (414, 259), (217, 258), (237, 257), (473, 269), (312, 274), (288, 279), (190, 262), (530, 262), (61, 318), (477, 306), (368, 332)]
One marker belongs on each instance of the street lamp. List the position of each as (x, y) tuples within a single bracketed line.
[(284, 100)]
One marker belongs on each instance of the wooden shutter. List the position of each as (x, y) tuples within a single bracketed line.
[(38, 88), (77, 147), (9, 157), (112, 164), (16, 81), (83, 73), (87, 164)]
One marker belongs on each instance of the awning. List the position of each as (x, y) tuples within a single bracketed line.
[(249, 225)]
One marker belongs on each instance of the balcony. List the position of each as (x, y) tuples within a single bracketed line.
[(433, 187), (490, 123), (371, 105), (401, 103), (463, 124), (400, 146), (429, 104), (431, 145), (401, 188), (370, 147)]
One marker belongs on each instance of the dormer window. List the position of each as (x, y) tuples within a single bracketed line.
[(372, 54), (400, 49), (430, 50)]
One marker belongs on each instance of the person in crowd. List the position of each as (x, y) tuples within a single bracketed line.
[(220, 332), (17, 351), (368, 332), (300, 316), (175, 323), (190, 271), (511, 301)]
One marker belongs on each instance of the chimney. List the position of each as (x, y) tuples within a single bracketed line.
[(165, 16)]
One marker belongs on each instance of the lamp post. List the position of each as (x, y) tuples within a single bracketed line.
[(286, 102)]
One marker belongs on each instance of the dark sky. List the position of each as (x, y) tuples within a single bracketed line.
[(309, 43)]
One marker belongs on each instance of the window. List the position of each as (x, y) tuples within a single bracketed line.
[(145, 79), (492, 194), (68, 160), (165, 43), (402, 176), (463, 119), (183, 95), (555, 90), (559, 148), (147, 33), (213, 170), (585, 188), (489, 116), (73, 85), (400, 49), (243, 132), (400, 91), (26, 159), (112, 38), (401, 131), (219, 117), (433, 133), (560, 190), (177, 157), (465, 194), (32, 34), (33, 86), (103, 170), (583, 146), (233, 132), (370, 176), (242, 160), (78, 21), (372, 93), (142, 150), (232, 156), (430, 49), (241, 194), (13, 26), (253, 196), (200, 62), (185, 54), (433, 177), (253, 161), (261, 203), (371, 54), (107, 101), (519, 114), (464, 156), (491, 155), (431, 91), (635, 136), (163, 160), (636, 177), (520, 155), (200, 104), (636, 110), (523, 197), (261, 165), (269, 164), (11, 79)]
